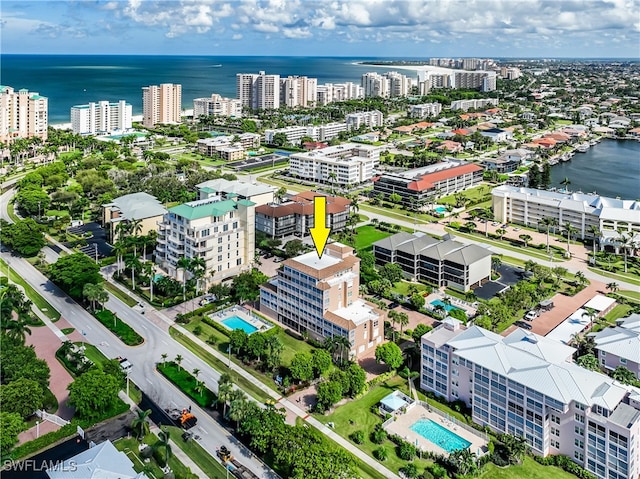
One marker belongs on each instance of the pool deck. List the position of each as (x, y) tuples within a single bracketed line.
[(455, 302), (260, 324), (402, 427)]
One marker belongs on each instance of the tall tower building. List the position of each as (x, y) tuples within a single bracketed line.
[(298, 91), (101, 117), (22, 115), (161, 104), (259, 92)]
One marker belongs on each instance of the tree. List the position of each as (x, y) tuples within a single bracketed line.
[(293, 248), (178, 360), (183, 264), (95, 293), (559, 272), (594, 231), (33, 201), (548, 222), (565, 182), (501, 232), (626, 242), (93, 393), (392, 272), (280, 194), (302, 367), (496, 262), (613, 287), (139, 425), (403, 320), (164, 357), (588, 361), (570, 230), (237, 406), (162, 445), (321, 361), (11, 424), (395, 198), (238, 339), (624, 375), (463, 462), (417, 301), (73, 271), (224, 395), (328, 393), (357, 379), (581, 278), (525, 239), (246, 286), (516, 447), (390, 354), (23, 397), (419, 331), (24, 236)]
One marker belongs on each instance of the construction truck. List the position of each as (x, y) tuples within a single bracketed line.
[(183, 418), (232, 465)]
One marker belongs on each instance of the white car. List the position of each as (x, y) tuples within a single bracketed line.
[(530, 316)]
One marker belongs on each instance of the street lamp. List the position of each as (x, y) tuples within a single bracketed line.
[(37, 429), (128, 371), (229, 351)]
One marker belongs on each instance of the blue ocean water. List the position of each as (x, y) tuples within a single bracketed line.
[(69, 80)]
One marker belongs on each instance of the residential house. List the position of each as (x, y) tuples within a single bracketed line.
[(620, 346), (136, 207)]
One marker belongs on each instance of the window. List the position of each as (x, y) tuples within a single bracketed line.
[(623, 360), (579, 430), (579, 418), (555, 419)]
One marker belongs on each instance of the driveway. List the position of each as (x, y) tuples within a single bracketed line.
[(96, 243), (509, 275)]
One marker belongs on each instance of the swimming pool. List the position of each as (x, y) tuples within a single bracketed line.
[(441, 209), (447, 307), (236, 322), (440, 436)]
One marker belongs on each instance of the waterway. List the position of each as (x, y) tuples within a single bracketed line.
[(610, 168)]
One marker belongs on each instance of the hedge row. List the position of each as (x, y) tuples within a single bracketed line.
[(118, 327)]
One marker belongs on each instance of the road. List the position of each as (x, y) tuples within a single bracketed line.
[(143, 357)]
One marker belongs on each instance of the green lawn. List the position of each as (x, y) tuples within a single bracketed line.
[(630, 294), (472, 194), (402, 287), (620, 311), (187, 383), (219, 366), (529, 469), (130, 448), (358, 416), (122, 330), (367, 235), (92, 353), (32, 294), (118, 293), (629, 278), (201, 457), (59, 213)]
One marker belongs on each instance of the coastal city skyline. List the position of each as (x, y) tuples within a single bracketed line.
[(572, 29)]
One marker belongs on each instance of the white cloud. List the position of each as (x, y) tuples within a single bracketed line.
[(296, 33), (237, 36)]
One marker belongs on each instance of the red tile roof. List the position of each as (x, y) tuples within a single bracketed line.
[(429, 180), (302, 204)]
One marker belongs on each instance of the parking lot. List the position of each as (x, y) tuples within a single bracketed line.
[(97, 246), (509, 275), (255, 162)]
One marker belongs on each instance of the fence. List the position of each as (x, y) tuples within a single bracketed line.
[(45, 416), (454, 421)]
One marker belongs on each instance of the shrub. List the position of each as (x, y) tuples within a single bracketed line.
[(379, 435), (197, 330), (410, 470), (407, 451), (357, 437), (381, 454)]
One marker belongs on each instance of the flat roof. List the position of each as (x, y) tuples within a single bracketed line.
[(312, 261), (393, 402), (574, 324), (358, 312), (599, 302)]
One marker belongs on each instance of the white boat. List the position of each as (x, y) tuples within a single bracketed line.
[(582, 148)]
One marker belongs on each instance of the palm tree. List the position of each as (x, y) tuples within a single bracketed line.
[(559, 272), (487, 215), (17, 329), (224, 395), (139, 424), (91, 292), (197, 266), (163, 444), (403, 320), (525, 239), (626, 242), (501, 232), (122, 230), (496, 262), (133, 263), (183, 264), (199, 387), (581, 278), (237, 406), (195, 372), (594, 231), (393, 316), (164, 357), (178, 360), (566, 182), (440, 310), (332, 177), (570, 230), (592, 315), (470, 226), (613, 287), (343, 344), (548, 222), (119, 249)]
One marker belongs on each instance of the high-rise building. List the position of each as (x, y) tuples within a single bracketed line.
[(258, 91), (372, 119), (375, 84), (399, 85), (161, 104), (217, 106), (424, 110), (298, 91), (320, 296), (218, 228), (101, 118), (22, 115)]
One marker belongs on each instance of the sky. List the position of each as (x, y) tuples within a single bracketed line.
[(363, 28)]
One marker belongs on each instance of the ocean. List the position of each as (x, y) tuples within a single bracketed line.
[(610, 168), (68, 80)]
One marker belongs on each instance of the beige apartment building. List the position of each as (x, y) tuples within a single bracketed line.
[(219, 228), (23, 114), (141, 208), (161, 104), (320, 296)]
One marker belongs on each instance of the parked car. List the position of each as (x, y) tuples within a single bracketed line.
[(531, 315), (394, 305), (210, 298), (522, 324)]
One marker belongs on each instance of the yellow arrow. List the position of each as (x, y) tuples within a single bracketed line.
[(320, 232)]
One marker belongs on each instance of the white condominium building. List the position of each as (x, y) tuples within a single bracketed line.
[(258, 91), (101, 117), (528, 206), (298, 91), (399, 85), (330, 92), (526, 385), (216, 106), (424, 110), (476, 104), (510, 73), (347, 164), (372, 119), (23, 114), (483, 81), (161, 104), (219, 229), (295, 134), (375, 84)]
